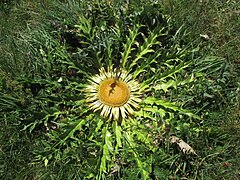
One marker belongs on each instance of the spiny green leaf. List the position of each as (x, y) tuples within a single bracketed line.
[(145, 49), (107, 148), (174, 70), (108, 141), (85, 25), (78, 126), (169, 105), (129, 138), (118, 133), (128, 46), (143, 113), (164, 86), (154, 109)]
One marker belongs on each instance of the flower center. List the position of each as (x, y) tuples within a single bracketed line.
[(113, 92)]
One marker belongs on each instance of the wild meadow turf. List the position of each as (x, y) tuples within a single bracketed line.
[(43, 41)]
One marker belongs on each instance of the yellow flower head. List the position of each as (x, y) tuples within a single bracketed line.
[(114, 93)]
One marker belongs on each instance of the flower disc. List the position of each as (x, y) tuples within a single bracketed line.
[(113, 92)]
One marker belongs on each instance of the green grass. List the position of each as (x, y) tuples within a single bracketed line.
[(39, 43), (218, 20)]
